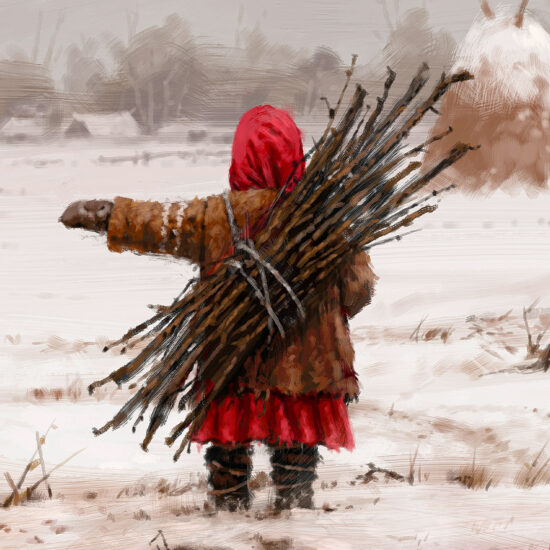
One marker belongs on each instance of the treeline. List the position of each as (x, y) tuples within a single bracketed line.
[(165, 73)]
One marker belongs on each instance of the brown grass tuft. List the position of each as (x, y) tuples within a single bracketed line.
[(534, 473), (436, 333), (285, 543), (474, 476), (73, 391)]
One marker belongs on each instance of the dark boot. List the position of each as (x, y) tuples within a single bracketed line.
[(293, 475), (230, 469)]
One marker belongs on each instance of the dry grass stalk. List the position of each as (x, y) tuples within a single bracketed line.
[(430, 334), (357, 191), (412, 462), (13, 487), (42, 463), (474, 476), (533, 345), (415, 334), (534, 473), (31, 465), (518, 20), (16, 497)]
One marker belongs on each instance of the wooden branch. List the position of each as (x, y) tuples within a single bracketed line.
[(161, 535), (13, 487), (388, 474), (29, 491), (33, 487), (518, 22), (486, 9), (416, 332), (31, 464), (42, 463)]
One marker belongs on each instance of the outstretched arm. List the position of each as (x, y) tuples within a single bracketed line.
[(160, 228), (197, 230), (143, 226)]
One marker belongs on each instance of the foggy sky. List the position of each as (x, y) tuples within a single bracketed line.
[(347, 26)]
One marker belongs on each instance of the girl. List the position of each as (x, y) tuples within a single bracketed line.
[(295, 399)]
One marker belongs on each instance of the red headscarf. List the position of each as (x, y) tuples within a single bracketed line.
[(267, 151)]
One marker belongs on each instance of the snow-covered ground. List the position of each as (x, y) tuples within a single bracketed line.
[(429, 405)]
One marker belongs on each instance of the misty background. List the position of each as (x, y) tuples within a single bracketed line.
[(153, 63)]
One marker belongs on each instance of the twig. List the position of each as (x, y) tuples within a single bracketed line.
[(410, 478), (373, 469), (27, 469), (161, 535), (32, 488), (470, 485), (47, 476), (13, 487), (416, 332), (390, 239), (536, 459), (39, 447), (331, 112), (421, 148), (486, 9), (520, 14)]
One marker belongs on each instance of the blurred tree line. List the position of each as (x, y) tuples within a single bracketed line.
[(164, 73)]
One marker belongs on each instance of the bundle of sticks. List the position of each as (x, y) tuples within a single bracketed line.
[(361, 186)]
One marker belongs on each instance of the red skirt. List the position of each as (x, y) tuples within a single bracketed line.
[(282, 420)]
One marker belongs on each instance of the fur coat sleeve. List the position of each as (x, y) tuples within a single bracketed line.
[(197, 230)]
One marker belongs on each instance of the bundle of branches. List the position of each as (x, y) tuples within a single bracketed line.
[(358, 189)]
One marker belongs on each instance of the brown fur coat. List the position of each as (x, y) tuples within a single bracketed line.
[(316, 356)]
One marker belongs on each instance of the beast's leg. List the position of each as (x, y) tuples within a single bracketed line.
[(293, 475), (230, 469)]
